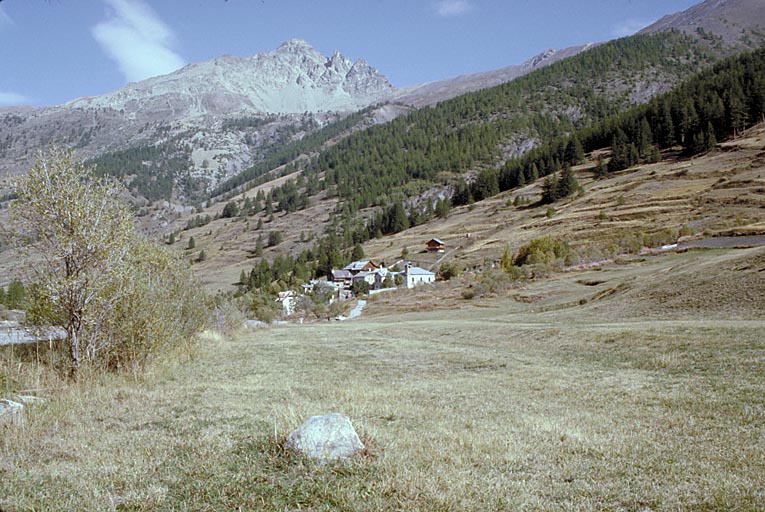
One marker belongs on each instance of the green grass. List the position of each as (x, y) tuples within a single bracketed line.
[(484, 407)]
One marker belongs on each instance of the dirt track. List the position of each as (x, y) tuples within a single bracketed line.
[(725, 242)]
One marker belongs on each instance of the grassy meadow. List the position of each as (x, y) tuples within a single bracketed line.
[(551, 395)]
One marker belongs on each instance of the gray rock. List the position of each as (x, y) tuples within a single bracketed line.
[(326, 437), (11, 412)]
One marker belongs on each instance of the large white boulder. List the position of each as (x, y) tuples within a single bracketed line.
[(325, 438)]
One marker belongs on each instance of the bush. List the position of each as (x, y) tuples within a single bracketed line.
[(159, 304), (226, 317), (546, 250), (274, 238), (262, 305), (230, 210), (450, 269), (360, 287), (489, 282)]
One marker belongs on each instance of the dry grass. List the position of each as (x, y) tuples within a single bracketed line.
[(722, 192), (496, 404)]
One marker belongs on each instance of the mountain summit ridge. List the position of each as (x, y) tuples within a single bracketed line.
[(293, 78)]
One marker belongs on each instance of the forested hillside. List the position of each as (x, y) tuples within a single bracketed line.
[(387, 163), (710, 107), (449, 144), (480, 129), (714, 105)]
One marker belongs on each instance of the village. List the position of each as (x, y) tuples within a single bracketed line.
[(366, 277)]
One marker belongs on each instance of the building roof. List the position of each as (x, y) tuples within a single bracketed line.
[(436, 240), (358, 266), (417, 271), (341, 274)]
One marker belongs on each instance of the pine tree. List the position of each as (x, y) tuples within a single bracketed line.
[(192, 244), (567, 184), (710, 138), (230, 210), (534, 175), (550, 189), (443, 206), (665, 126), (600, 169), (574, 150), (16, 296), (398, 220), (645, 142), (358, 253)]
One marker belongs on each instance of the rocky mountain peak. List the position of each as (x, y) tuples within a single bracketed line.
[(293, 78)]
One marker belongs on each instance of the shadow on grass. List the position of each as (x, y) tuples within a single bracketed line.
[(258, 472)]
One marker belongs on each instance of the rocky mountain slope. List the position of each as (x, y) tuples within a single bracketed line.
[(433, 92), (220, 117), (292, 79), (272, 90), (726, 23)]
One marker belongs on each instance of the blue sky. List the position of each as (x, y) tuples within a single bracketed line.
[(52, 51)]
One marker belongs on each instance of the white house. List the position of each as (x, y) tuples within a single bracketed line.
[(414, 276), (288, 301)]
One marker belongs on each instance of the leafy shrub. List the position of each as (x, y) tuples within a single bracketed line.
[(230, 210), (450, 269), (360, 287), (274, 238), (546, 250)]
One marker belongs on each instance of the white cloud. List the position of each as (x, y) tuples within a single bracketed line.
[(11, 99), (138, 40), (447, 8), (629, 27), (5, 20)]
